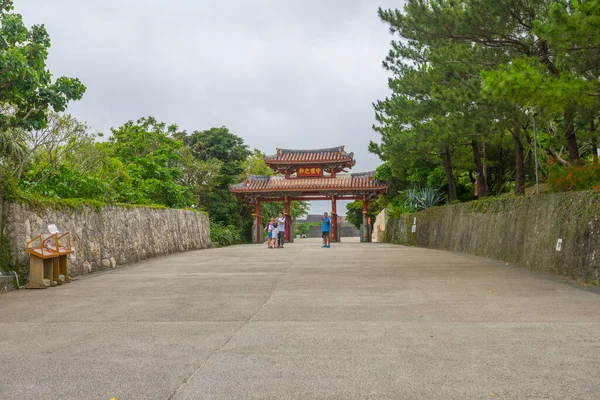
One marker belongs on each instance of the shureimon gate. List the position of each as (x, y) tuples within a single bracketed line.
[(307, 175)]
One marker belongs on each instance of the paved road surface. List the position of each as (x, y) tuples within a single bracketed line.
[(355, 321)]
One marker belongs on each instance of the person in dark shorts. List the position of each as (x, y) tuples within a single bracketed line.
[(325, 228), (281, 229)]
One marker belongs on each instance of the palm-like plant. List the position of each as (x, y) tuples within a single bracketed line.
[(423, 198), (12, 145)]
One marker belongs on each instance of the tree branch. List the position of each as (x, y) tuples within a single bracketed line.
[(557, 157)]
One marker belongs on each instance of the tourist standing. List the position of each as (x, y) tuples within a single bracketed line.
[(274, 233), (325, 228), (270, 226), (281, 229), (268, 233)]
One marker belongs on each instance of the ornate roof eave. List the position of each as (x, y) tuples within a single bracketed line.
[(291, 157), (357, 184), (369, 195)]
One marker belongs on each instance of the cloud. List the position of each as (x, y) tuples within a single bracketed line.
[(277, 73)]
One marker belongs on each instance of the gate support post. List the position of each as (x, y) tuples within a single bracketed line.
[(257, 225), (334, 227), (288, 221), (365, 234)]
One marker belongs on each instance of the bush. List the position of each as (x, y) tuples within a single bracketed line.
[(225, 235), (395, 210), (563, 179)]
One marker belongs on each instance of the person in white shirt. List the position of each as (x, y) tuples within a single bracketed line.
[(281, 229)]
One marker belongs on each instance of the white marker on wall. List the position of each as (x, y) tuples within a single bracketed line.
[(559, 245)]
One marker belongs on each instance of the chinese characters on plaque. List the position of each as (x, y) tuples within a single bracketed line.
[(304, 172)]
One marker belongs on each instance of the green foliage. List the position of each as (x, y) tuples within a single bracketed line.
[(27, 90), (144, 163), (12, 146), (225, 235), (302, 228), (396, 211), (40, 201), (399, 205), (8, 186), (298, 209), (5, 247), (220, 144), (575, 177), (151, 157), (529, 84), (354, 212), (423, 198), (67, 183), (467, 78), (255, 165)]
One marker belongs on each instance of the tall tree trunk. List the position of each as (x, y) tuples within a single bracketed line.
[(481, 184), (571, 139), (594, 140), (484, 160), (447, 160), (500, 171), (519, 160)]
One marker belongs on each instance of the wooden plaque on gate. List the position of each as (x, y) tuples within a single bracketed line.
[(310, 172)]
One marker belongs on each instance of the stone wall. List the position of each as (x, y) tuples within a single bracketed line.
[(344, 230), (379, 229), (107, 237), (348, 230), (6, 283), (524, 231)]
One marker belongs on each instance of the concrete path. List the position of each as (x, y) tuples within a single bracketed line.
[(355, 321)]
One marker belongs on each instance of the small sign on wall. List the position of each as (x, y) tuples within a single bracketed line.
[(559, 245)]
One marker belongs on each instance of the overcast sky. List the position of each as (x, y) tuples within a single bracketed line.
[(290, 74)]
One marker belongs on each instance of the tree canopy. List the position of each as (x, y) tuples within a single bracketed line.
[(27, 90), (467, 79)]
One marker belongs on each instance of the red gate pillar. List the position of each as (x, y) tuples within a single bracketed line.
[(334, 230), (258, 224), (288, 221), (366, 235)]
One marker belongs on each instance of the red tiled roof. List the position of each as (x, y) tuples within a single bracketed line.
[(279, 184), (315, 156)]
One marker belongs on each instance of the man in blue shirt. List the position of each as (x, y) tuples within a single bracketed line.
[(325, 227)]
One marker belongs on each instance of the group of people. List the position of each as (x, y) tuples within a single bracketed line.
[(275, 229), (276, 232)]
